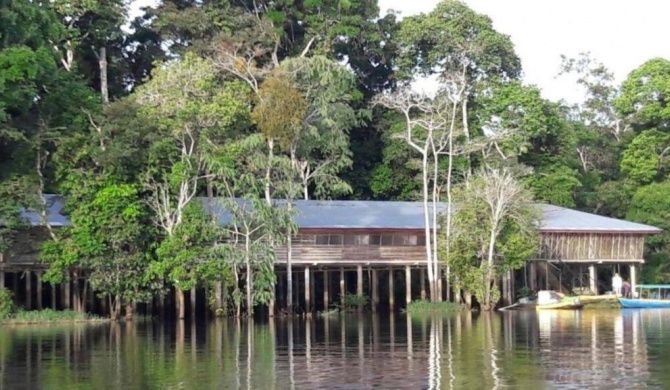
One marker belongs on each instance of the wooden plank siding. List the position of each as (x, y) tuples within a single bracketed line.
[(591, 247), (350, 247)]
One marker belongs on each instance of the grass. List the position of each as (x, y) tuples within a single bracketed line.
[(329, 312), (427, 307), (49, 316)]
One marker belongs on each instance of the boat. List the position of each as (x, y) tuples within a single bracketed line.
[(648, 296), (521, 304), (551, 300)]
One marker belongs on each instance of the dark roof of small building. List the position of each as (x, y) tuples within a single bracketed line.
[(361, 214)]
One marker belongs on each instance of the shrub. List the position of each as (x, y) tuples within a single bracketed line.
[(6, 303), (418, 307), (353, 301)]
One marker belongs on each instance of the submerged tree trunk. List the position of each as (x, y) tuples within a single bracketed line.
[(179, 302), (130, 311)]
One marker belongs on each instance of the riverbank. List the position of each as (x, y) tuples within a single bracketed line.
[(49, 316)]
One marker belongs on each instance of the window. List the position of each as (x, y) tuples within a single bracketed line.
[(335, 239), (349, 239), (402, 240), (363, 239), (375, 240), (322, 239), (387, 240), (421, 240)]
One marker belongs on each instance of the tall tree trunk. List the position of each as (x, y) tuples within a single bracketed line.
[(435, 293), (249, 286), (218, 287), (289, 271), (426, 221), (489, 272), (104, 86)]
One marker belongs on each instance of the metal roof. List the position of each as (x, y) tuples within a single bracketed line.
[(362, 214)]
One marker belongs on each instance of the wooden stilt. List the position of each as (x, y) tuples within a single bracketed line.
[(359, 283), (193, 297), (218, 299), (422, 282), (343, 287), (39, 291), (408, 285), (439, 284), (2, 273), (15, 283), (326, 288), (593, 279), (76, 294), (391, 290), (308, 301), (312, 290), (375, 289), (29, 291), (54, 302), (65, 286), (532, 278)]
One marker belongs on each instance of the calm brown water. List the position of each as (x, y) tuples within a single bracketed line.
[(574, 350)]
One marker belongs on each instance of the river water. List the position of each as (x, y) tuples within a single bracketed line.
[(621, 349)]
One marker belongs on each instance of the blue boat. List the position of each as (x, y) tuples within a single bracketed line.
[(648, 296)]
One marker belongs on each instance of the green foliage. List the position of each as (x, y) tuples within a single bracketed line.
[(110, 240), (49, 316), (280, 109), (187, 250), (644, 93), (452, 37), (428, 307), (651, 205), (555, 185), (477, 227), (642, 158), (6, 303), (351, 302)]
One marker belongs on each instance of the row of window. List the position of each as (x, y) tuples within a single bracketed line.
[(370, 239)]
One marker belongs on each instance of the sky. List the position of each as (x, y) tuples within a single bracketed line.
[(622, 34)]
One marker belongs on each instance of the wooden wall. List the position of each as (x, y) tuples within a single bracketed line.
[(591, 247), (356, 247), (389, 247)]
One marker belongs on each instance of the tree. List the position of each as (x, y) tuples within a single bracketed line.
[(651, 205), (424, 131), (598, 111), (110, 239), (643, 159), (319, 146), (644, 96), (191, 108), (494, 232)]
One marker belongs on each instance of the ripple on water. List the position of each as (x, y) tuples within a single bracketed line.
[(558, 350)]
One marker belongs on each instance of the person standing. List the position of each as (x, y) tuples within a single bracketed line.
[(617, 283), (626, 289)]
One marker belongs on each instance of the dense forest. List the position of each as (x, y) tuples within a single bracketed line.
[(134, 120)]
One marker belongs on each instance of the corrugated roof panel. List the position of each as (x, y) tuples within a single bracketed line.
[(339, 214)]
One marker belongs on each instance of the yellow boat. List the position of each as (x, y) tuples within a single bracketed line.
[(550, 300)]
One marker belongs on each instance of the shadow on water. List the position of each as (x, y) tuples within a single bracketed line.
[(625, 349)]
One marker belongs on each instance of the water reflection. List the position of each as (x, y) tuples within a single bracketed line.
[(488, 351)]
